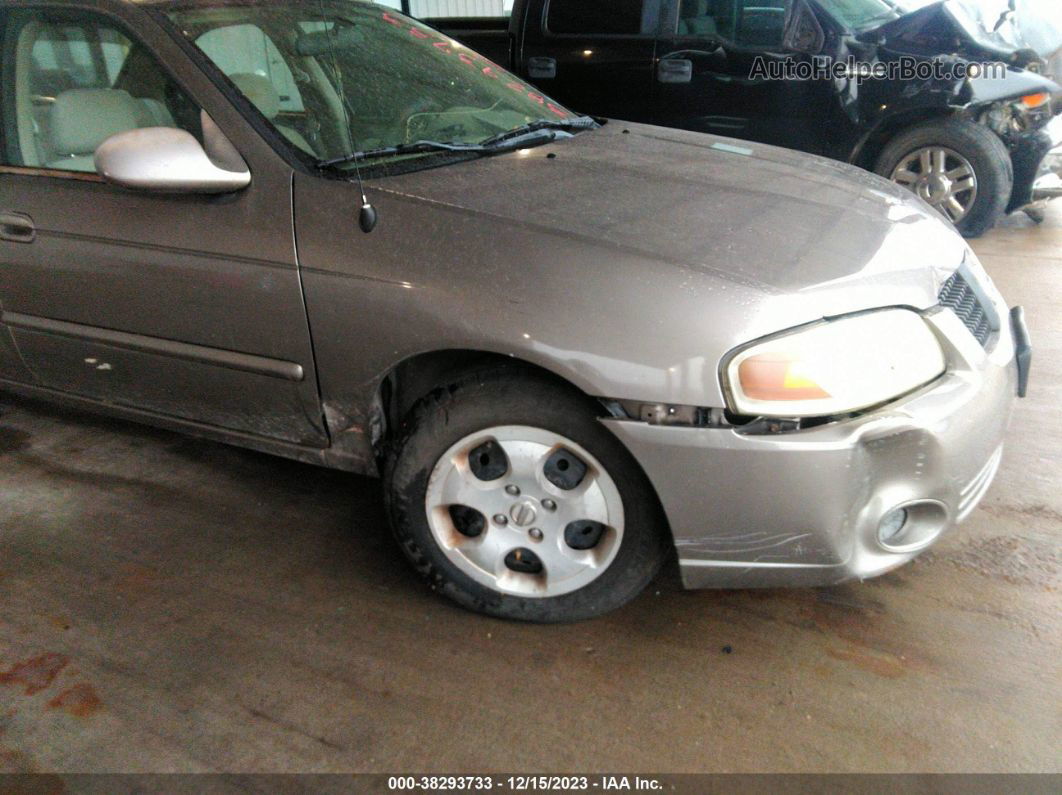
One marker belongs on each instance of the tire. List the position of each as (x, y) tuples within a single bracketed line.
[(506, 403), (981, 148)]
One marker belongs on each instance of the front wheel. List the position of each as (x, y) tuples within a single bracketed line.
[(957, 166), (511, 498)]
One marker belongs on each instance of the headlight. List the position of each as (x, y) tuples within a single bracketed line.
[(834, 367)]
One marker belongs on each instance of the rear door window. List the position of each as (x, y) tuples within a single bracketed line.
[(751, 24), (602, 17)]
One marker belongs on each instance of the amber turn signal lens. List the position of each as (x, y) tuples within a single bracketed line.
[(773, 377), (1035, 100)]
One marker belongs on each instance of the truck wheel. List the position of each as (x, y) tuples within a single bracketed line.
[(511, 498), (959, 167)]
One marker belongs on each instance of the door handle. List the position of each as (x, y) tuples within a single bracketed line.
[(17, 228), (674, 70), (541, 68)]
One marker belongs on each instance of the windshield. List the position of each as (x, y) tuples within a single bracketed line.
[(335, 78), (862, 14)]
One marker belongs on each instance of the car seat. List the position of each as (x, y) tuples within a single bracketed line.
[(263, 95)]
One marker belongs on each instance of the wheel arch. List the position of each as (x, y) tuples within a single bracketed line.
[(418, 375), (869, 149)]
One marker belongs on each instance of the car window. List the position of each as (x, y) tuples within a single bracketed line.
[(73, 80), (246, 49), (602, 17), (369, 77), (64, 48), (754, 24), (251, 59)]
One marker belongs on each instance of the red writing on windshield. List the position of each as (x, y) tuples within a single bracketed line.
[(475, 61)]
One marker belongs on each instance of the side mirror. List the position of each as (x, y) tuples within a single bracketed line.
[(165, 159), (803, 33)]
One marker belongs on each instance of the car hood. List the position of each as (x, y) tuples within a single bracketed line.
[(628, 260), (981, 27), (773, 220)]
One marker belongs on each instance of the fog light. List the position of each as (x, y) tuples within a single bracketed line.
[(912, 526), (892, 525)]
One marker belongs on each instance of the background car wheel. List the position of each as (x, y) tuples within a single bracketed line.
[(959, 167), (509, 496)]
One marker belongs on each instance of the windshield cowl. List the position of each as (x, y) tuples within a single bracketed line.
[(526, 137)]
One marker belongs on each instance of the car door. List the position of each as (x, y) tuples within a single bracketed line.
[(725, 48), (184, 306), (596, 56)]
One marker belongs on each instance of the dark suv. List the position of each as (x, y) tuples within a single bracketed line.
[(973, 147)]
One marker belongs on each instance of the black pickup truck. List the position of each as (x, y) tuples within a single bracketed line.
[(974, 147)]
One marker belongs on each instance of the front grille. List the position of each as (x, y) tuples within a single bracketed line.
[(959, 297)]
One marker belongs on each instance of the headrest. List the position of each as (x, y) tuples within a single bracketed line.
[(83, 118), (260, 91), (692, 9)]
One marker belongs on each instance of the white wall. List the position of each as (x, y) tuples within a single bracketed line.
[(458, 8)]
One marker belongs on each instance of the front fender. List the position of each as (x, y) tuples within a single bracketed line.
[(1016, 83)]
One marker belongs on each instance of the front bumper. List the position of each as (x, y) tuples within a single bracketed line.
[(1038, 166), (804, 508)]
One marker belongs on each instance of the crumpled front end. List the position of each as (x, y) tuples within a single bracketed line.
[(852, 499), (1046, 160), (1025, 111)]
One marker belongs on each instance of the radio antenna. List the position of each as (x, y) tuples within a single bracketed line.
[(368, 217)]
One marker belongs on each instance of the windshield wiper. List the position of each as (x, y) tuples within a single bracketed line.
[(528, 135), (417, 147), (565, 125)]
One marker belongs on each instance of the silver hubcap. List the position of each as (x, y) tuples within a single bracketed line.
[(941, 177), (525, 511)]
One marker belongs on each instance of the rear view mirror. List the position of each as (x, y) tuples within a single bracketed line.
[(326, 42), (168, 160)]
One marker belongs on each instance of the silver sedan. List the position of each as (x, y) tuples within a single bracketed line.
[(571, 347)]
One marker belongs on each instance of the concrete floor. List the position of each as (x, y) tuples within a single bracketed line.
[(175, 605)]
